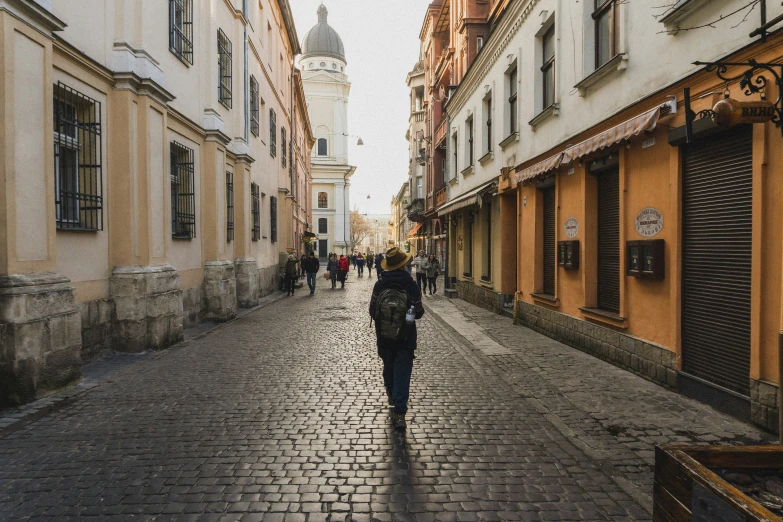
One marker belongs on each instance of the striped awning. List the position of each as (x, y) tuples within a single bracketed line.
[(415, 229), (541, 167), (466, 200), (617, 134)]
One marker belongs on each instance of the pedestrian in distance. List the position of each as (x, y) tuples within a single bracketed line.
[(353, 260), (432, 269), (370, 262), (331, 267), (360, 262), (291, 274), (378, 268), (395, 303), (342, 267), (302, 261), (420, 272), (312, 265)]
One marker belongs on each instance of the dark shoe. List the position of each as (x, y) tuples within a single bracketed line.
[(398, 421)]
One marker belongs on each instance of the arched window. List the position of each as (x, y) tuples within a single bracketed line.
[(322, 226), (323, 200), (322, 148)]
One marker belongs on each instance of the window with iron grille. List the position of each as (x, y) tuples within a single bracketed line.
[(183, 192), (256, 210), (323, 226), (78, 158), (255, 107), (488, 122), (548, 68), (605, 30), (181, 29), (224, 69), (512, 101), (229, 206), (323, 200), (272, 133), (283, 147), (273, 211), (470, 141)]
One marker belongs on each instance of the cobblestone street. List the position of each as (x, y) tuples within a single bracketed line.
[(281, 416)]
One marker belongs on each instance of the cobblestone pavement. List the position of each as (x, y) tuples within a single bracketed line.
[(281, 416)]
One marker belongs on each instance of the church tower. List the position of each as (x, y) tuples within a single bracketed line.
[(326, 89)]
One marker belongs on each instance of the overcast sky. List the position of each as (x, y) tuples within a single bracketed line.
[(381, 46)]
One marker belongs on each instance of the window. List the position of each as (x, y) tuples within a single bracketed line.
[(229, 206), (488, 121), (454, 152), (272, 133), (224, 69), (469, 127), (419, 187), (323, 200), (183, 192), (468, 259), (323, 149), (548, 248), (255, 107), (548, 68), (78, 173), (322, 226), (443, 178), (181, 29), (256, 211), (608, 272), (605, 30), (273, 211), (283, 147), (487, 275), (512, 101), (479, 43)]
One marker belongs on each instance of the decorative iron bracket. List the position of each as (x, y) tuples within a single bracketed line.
[(753, 81)]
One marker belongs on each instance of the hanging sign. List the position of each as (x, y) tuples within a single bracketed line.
[(649, 222), (571, 227), (731, 112)]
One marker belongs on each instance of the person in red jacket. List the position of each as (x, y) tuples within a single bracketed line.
[(342, 266)]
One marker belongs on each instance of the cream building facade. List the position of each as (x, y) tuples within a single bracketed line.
[(159, 198), (327, 88)]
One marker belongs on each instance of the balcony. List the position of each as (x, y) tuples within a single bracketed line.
[(440, 196), (422, 157), (417, 117), (440, 133), (416, 210)]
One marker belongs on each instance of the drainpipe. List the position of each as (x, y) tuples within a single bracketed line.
[(247, 78)]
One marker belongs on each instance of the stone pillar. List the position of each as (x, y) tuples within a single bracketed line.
[(248, 282), (40, 336), (220, 290), (147, 308)]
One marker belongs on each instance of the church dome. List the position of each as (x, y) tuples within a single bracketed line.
[(322, 40)]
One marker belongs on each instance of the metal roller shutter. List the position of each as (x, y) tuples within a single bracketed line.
[(716, 258), (549, 240), (609, 241)]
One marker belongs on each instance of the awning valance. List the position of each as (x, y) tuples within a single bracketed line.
[(618, 133), (471, 198), (541, 167), (415, 229)]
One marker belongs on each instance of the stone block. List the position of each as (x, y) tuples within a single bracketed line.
[(27, 340), (61, 368), (127, 286), (767, 393), (130, 308), (159, 305), (105, 310), (18, 382), (84, 314)]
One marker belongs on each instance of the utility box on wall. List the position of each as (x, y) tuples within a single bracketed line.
[(568, 254), (646, 258)]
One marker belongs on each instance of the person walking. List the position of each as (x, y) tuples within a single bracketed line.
[(420, 272), (291, 274), (331, 267), (370, 262), (378, 269), (342, 267), (360, 262), (302, 261), (392, 297), (353, 260), (312, 265), (432, 269)]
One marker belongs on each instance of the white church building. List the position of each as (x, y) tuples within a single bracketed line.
[(326, 89)]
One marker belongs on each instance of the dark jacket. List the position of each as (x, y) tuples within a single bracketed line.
[(403, 279), (291, 267), (312, 265)]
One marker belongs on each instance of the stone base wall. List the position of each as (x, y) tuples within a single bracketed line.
[(480, 296), (764, 404), (40, 336), (220, 290), (248, 282), (192, 306), (96, 319), (651, 361), (148, 308), (269, 279)]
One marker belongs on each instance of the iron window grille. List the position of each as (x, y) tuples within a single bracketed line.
[(548, 68), (489, 124), (323, 149), (604, 18), (272, 133), (323, 200), (229, 206), (273, 211), (323, 226), (255, 107), (224, 69), (78, 158), (512, 101), (181, 29), (283, 147), (470, 142), (183, 192), (256, 211)]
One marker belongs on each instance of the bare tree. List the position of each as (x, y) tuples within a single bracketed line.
[(360, 228), (747, 9)]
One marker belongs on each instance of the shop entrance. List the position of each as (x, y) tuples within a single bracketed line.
[(716, 260)]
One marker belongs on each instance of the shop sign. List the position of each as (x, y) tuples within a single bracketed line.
[(571, 227), (649, 222), (731, 112)]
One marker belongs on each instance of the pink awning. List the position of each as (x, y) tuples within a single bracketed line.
[(541, 167), (618, 133)]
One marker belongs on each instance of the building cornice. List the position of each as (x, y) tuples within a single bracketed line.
[(290, 27), (34, 15)]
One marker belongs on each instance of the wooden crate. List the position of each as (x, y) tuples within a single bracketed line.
[(686, 490)]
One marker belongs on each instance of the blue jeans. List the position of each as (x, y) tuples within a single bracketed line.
[(397, 371), (311, 282)]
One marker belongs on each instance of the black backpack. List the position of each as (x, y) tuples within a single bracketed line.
[(390, 310)]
